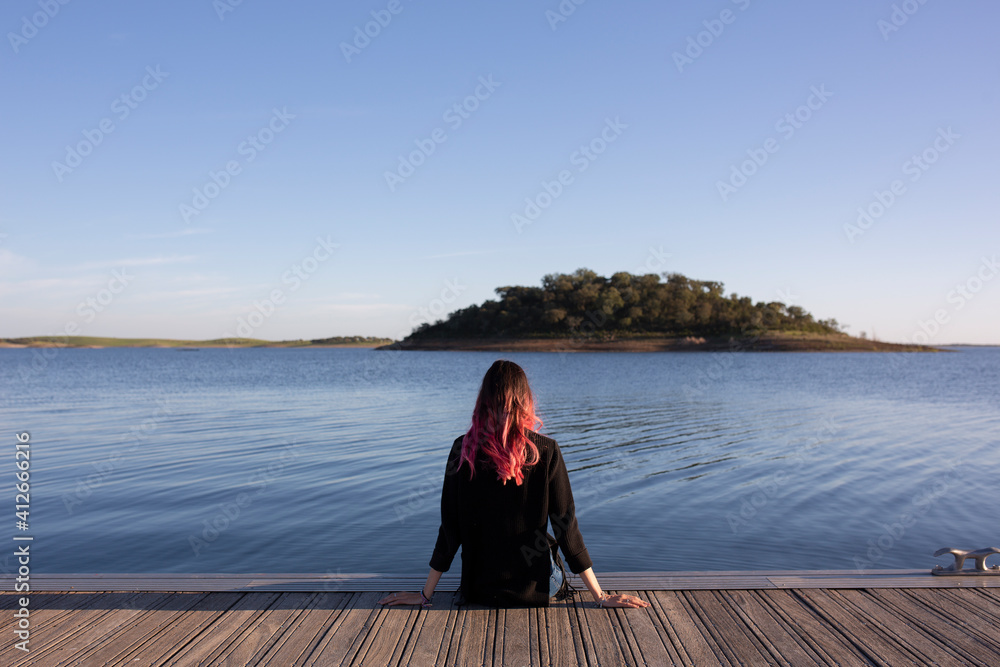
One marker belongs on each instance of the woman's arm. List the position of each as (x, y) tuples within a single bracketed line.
[(562, 513), (591, 581), (415, 598), (449, 538), (604, 600), (562, 516), (433, 577)]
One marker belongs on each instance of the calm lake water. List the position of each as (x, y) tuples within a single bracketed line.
[(292, 460)]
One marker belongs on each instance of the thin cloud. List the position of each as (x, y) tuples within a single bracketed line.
[(13, 264), (166, 295), (172, 235), (136, 261), (362, 308), (51, 287), (492, 251), (354, 296), (463, 253)]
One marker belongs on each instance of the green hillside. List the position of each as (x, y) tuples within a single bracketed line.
[(584, 303)]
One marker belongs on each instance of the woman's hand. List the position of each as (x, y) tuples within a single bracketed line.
[(623, 600), (604, 600), (401, 598), (415, 598)]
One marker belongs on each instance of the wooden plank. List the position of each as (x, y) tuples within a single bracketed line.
[(245, 648), (100, 582), (389, 638), (408, 632), (943, 627), (498, 637), (540, 640), (225, 630), (58, 600), (536, 637), (963, 609), (684, 583), (577, 630), (62, 605), (352, 585), (920, 644), (538, 621), (991, 594), (372, 634), (855, 583), (784, 645), (46, 613), (52, 610), (516, 642), (431, 636), (559, 647), (582, 639), (619, 618), (405, 648), (304, 630), (454, 639), (833, 648), (56, 631), (67, 604), (493, 630), (647, 645), (737, 643), (705, 625), (341, 643), (451, 632), (104, 631), (357, 582), (469, 646), (297, 644), (165, 630), (601, 640), (60, 635), (874, 644), (695, 627), (977, 602), (683, 629)]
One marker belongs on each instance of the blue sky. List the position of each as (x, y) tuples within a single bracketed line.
[(170, 169)]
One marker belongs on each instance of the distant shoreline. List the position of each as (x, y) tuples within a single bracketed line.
[(768, 342), (93, 342)]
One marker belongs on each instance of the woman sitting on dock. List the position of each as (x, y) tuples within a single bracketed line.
[(501, 527)]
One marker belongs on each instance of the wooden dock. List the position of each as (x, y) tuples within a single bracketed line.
[(889, 617)]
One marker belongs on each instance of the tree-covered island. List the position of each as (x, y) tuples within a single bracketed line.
[(628, 312)]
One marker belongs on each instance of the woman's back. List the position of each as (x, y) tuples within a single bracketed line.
[(501, 527)]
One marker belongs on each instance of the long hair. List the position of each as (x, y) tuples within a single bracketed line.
[(504, 412)]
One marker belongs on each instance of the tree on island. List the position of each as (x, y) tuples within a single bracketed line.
[(668, 304)]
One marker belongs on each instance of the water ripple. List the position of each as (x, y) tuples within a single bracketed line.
[(319, 460)]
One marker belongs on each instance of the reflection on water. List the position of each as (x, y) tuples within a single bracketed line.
[(283, 460)]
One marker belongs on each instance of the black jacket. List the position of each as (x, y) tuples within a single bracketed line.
[(502, 528)]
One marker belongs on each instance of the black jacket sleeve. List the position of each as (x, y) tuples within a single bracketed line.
[(562, 515), (449, 534)]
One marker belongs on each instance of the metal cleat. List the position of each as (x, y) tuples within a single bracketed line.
[(979, 555)]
